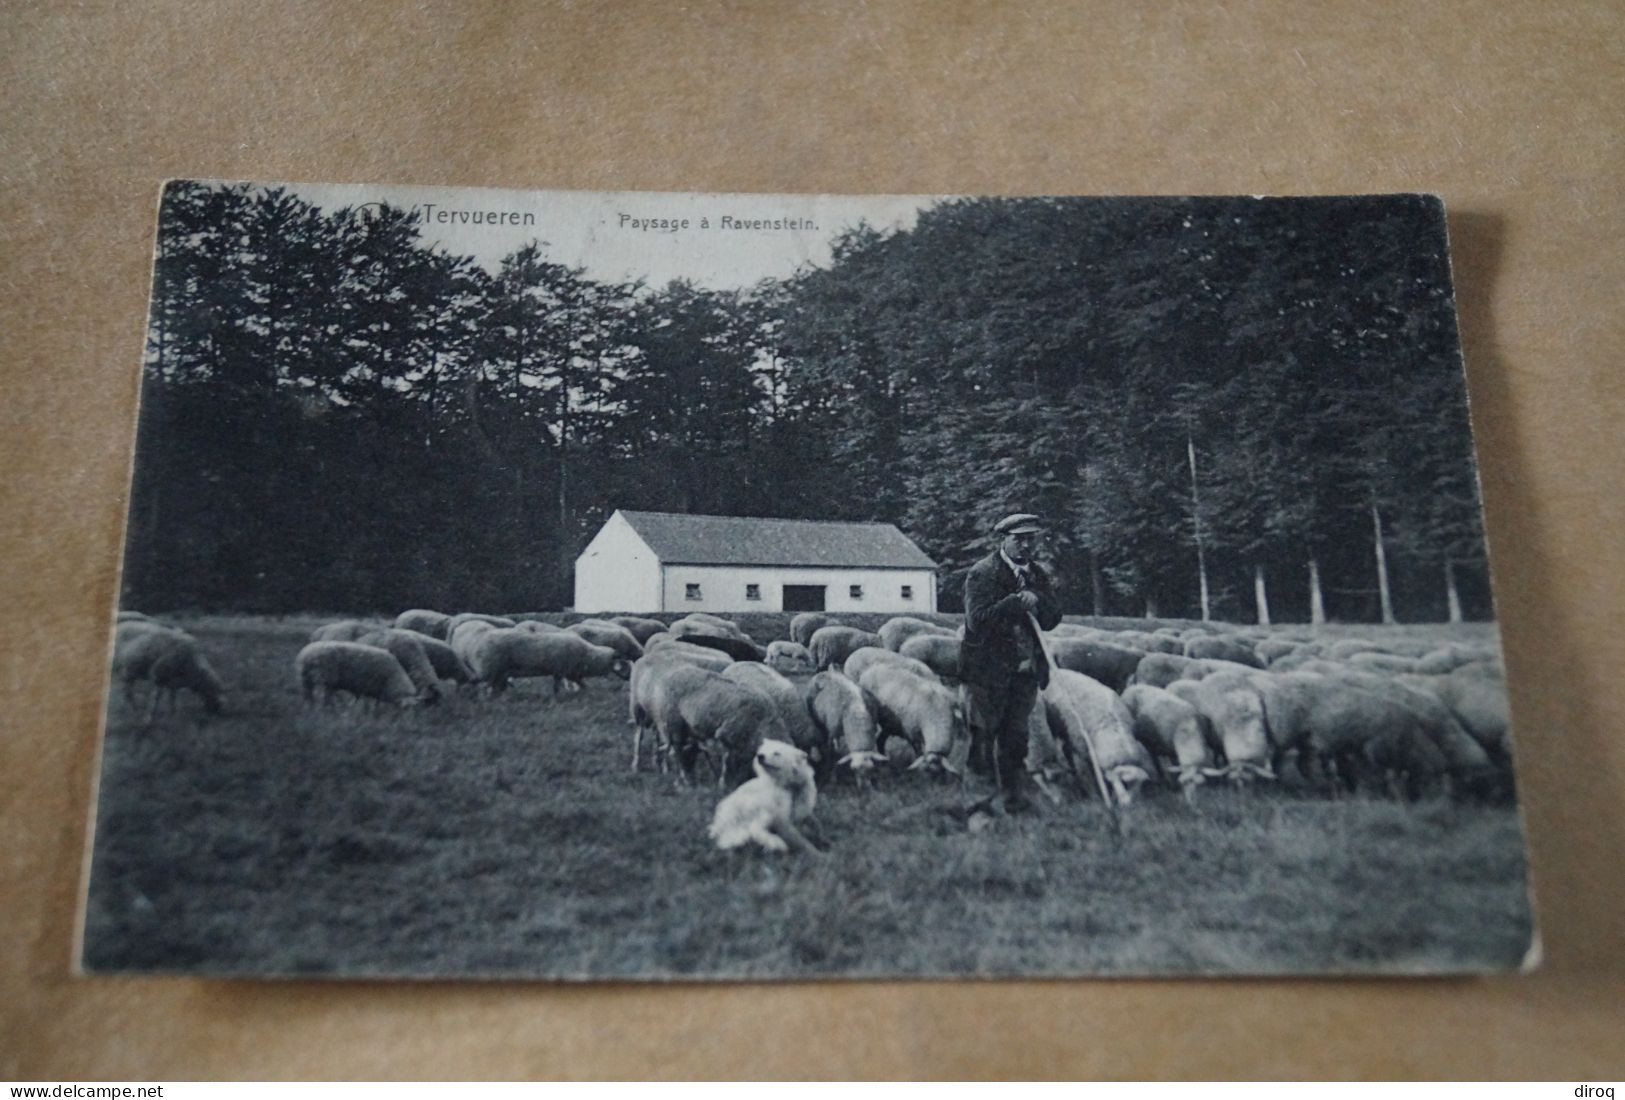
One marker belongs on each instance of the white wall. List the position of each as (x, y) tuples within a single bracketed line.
[(617, 571), (722, 588)]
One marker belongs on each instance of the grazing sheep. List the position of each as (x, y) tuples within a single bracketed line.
[(657, 639), (806, 624), (767, 809), (830, 646), (430, 623), (407, 647), (1150, 643), (1231, 702), (1222, 649), (1348, 647), (1367, 736), (698, 655), (1160, 669), (170, 659), (1479, 703), (462, 637), (1465, 760), (844, 714), (473, 617), (792, 708), (706, 626), (1382, 662), (1110, 664), (1445, 659), (738, 649), (499, 655), (694, 711), (922, 712), (1170, 727), (1271, 650), (1076, 630), (447, 665), (612, 635), (345, 630), (639, 627), (1087, 718), (894, 632), (869, 655), (938, 653), (537, 626), (789, 656), (644, 698), (365, 672)]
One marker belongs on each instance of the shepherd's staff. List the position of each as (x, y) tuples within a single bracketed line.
[(1094, 757)]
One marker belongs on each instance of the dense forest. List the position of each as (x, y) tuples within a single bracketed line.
[(1232, 408)]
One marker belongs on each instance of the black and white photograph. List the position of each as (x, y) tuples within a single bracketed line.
[(638, 586)]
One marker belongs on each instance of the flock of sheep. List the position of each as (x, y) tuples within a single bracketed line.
[(1125, 712)]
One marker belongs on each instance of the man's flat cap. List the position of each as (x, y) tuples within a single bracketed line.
[(1022, 523)]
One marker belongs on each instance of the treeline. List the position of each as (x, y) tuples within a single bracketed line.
[(1248, 408)]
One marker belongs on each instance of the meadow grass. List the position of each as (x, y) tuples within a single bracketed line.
[(507, 836)]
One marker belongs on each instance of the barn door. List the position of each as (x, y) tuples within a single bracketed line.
[(804, 597)]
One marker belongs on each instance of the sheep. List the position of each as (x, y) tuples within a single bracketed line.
[(365, 672), (707, 626), (1480, 703), (843, 712), (1110, 664), (134, 617), (345, 630), (739, 649), (643, 700), (499, 655), (1160, 669), (697, 655), (869, 655), (922, 712), (447, 665), (462, 637), (612, 635), (792, 708), (171, 659), (1076, 630), (1465, 759), (938, 653), (1170, 727), (789, 656), (1087, 718), (894, 632), (832, 645), (537, 626), (407, 647), (767, 809), (1271, 650), (1222, 649), (1231, 701), (639, 627), (1382, 662), (1362, 732), (430, 623), (806, 624), (694, 711), (1150, 643), (1348, 647), (474, 617)]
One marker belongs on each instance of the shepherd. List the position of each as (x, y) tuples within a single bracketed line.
[(1009, 597)]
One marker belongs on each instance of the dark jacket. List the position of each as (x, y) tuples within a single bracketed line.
[(998, 635)]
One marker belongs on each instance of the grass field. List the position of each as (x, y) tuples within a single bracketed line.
[(508, 837)]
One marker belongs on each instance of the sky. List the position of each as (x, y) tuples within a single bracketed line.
[(617, 235)]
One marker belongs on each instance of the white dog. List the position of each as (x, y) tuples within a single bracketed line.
[(767, 809)]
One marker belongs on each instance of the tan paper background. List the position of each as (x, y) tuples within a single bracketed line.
[(1510, 111)]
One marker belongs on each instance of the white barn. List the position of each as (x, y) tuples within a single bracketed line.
[(665, 561)]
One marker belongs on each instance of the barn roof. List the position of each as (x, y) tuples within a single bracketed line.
[(682, 539)]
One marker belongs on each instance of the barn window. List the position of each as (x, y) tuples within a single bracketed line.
[(856, 591), (691, 591), (908, 592), (753, 592)]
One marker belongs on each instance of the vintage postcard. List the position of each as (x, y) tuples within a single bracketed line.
[(575, 585)]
